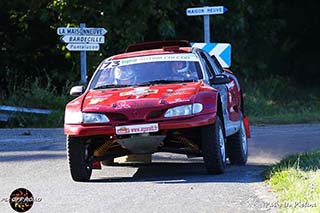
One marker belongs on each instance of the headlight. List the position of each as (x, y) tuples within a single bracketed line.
[(73, 117), (76, 117), (196, 108), (94, 118), (184, 110)]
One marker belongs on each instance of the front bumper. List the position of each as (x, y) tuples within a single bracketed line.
[(179, 123)]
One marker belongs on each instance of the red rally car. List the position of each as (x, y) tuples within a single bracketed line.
[(160, 96)]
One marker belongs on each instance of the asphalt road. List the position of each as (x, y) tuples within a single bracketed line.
[(35, 159)]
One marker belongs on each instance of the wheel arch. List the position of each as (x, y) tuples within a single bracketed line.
[(220, 113), (241, 102)]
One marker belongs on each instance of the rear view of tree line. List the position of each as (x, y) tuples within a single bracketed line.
[(269, 39)]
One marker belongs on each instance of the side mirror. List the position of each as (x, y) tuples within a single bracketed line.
[(76, 90), (220, 79)]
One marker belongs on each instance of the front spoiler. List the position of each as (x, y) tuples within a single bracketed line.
[(181, 123)]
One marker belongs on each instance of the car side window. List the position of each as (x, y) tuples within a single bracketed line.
[(216, 64), (212, 60), (210, 70)]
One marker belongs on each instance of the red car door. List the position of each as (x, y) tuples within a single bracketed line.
[(232, 88), (234, 97)]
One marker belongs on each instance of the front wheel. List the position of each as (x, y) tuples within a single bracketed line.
[(238, 146), (79, 158), (213, 147)]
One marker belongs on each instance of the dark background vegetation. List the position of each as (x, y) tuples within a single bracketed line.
[(275, 48)]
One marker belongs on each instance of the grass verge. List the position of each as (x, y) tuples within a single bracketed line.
[(287, 118), (34, 95), (296, 180), (278, 101)]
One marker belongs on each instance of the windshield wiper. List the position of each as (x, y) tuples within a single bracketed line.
[(164, 82), (106, 86)]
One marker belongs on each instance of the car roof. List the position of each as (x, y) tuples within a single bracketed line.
[(154, 48), (156, 45), (165, 50)]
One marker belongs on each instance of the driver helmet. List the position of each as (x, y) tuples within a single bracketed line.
[(125, 75), (181, 66)]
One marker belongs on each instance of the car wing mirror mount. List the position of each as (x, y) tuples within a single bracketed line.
[(220, 79), (77, 90)]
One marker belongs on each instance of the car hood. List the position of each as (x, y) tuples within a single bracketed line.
[(140, 97)]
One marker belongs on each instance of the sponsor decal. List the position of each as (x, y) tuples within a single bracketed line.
[(99, 96), (156, 58), (98, 99), (181, 91), (177, 100), (136, 129), (122, 131), (135, 104), (186, 89), (140, 92), (122, 105), (170, 90)]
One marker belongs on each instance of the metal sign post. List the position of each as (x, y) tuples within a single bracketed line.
[(205, 12), (83, 62), (206, 25), (222, 51), (82, 39)]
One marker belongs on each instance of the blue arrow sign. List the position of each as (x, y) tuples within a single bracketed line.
[(222, 51)]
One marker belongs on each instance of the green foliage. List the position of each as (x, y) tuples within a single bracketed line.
[(263, 36), (24, 120), (308, 161), (276, 100), (33, 95), (298, 191), (270, 44), (296, 179)]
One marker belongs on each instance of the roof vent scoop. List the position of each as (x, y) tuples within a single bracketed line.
[(171, 48), (157, 45)]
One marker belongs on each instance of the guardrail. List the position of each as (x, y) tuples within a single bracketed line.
[(7, 112)]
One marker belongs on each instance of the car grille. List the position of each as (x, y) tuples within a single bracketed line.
[(155, 114), (139, 118), (117, 117)]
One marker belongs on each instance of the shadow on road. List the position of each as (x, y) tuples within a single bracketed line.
[(182, 173)]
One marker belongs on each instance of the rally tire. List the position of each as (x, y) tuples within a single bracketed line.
[(78, 156), (213, 147), (237, 146)]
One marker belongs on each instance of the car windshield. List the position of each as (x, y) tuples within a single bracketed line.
[(147, 70)]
